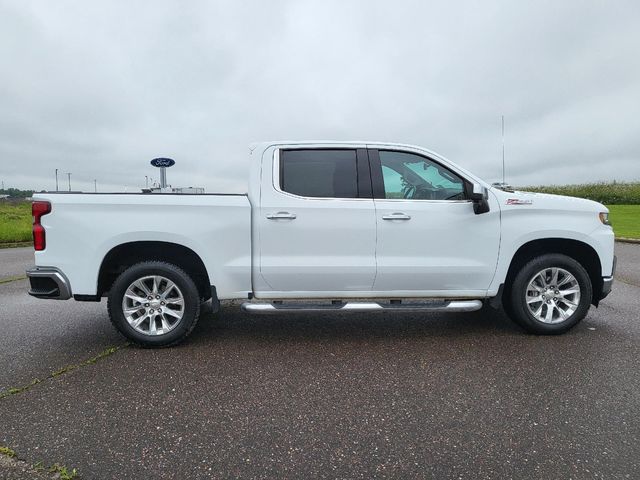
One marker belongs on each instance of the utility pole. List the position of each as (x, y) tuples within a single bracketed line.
[(56, 179), (69, 177), (95, 185)]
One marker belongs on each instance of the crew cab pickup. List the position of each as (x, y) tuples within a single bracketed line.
[(330, 227)]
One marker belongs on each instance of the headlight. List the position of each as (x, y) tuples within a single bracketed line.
[(604, 218)]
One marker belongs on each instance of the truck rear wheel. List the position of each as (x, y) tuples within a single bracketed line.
[(550, 295), (154, 304)]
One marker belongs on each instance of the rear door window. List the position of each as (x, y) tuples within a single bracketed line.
[(319, 173)]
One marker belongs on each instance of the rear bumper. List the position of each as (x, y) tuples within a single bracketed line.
[(48, 282), (607, 282)]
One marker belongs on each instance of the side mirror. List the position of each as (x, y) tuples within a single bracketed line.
[(480, 197)]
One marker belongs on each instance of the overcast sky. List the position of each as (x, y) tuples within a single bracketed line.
[(100, 88)]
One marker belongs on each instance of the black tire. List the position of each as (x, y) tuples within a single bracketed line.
[(180, 278), (516, 305)]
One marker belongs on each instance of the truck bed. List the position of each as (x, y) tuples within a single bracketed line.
[(82, 228)]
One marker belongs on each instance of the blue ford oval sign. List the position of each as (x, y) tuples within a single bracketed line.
[(163, 162)]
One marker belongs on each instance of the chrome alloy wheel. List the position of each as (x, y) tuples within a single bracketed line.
[(552, 295), (153, 305)]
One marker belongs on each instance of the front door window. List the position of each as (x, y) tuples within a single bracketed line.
[(414, 177)]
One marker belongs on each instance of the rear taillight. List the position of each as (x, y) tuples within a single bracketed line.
[(38, 209)]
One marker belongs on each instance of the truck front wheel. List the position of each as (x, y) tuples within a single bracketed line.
[(154, 304), (550, 294)]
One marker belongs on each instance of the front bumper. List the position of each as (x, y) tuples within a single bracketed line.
[(48, 282), (607, 282)]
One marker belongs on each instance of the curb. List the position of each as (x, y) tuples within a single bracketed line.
[(16, 244), (627, 240)]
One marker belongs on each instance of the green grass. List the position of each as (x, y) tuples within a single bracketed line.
[(625, 220), (7, 451), (15, 222), (62, 472), (613, 193)]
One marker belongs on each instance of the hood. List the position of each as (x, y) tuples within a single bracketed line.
[(529, 200)]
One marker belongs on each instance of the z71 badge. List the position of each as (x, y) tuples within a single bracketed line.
[(518, 201)]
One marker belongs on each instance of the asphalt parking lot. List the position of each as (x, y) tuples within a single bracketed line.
[(321, 396)]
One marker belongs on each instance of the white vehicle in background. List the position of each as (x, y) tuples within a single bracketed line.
[(326, 226)]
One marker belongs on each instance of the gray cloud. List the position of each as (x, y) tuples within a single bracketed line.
[(100, 88)]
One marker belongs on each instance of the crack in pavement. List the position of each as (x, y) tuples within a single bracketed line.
[(14, 467), (626, 282), (12, 279), (69, 368)]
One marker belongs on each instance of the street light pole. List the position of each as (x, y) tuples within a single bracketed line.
[(69, 177), (56, 179), (146, 181), (95, 185)]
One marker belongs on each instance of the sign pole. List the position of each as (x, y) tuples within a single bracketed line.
[(163, 177)]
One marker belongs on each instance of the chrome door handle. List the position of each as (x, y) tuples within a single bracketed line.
[(397, 216), (281, 215)]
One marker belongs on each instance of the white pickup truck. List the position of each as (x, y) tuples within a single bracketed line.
[(326, 226)]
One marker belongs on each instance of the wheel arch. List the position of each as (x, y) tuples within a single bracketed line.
[(122, 256), (580, 251)]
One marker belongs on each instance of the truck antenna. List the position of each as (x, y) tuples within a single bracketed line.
[(503, 149)]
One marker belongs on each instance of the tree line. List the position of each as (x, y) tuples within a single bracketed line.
[(16, 192)]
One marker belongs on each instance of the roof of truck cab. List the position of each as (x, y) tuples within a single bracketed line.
[(254, 145), (273, 143)]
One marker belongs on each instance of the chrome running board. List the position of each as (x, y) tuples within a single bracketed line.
[(395, 306)]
